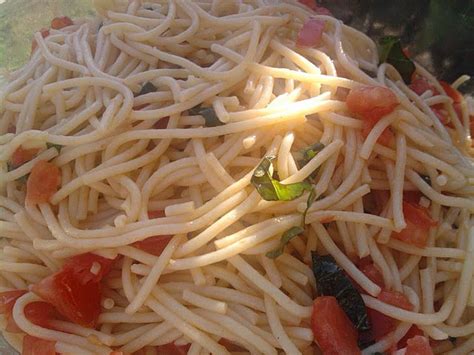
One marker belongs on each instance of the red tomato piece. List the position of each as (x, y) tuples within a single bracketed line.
[(373, 273), (161, 124), (309, 3), (60, 22), (37, 346), (156, 214), (451, 92), (381, 324), (321, 10), (311, 33), (418, 223), (371, 103), (8, 299), (43, 182), (396, 299), (84, 266), (420, 85), (412, 197), (332, 329), (153, 245), (386, 138), (413, 331), (20, 156), (44, 33), (418, 345), (172, 349), (77, 301)]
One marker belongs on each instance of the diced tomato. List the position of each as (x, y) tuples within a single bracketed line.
[(371, 103), (381, 324), (43, 182), (412, 196), (321, 10), (60, 22), (156, 214), (309, 3), (455, 95), (418, 223), (418, 345), (20, 156), (37, 346), (420, 85), (75, 290), (84, 265), (162, 123), (413, 331), (8, 299), (376, 201), (332, 329), (172, 349), (44, 33), (39, 313), (373, 273), (311, 33), (154, 245), (386, 138), (396, 299)]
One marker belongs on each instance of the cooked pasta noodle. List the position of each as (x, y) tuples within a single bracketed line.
[(138, 163)]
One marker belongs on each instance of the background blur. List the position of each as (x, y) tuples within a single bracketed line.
[(438, 33)]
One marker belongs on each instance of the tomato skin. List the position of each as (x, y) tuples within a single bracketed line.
[(396, 299), (451, 92), (420, 85), (8, 299), (60, 22), (418, 345), (81, 265), (311, 33), (156, 214), (154, 245), (371, 102), (418, 223), (333, 331), (172, 349), (43, 182), (20, 156), (37, 346)]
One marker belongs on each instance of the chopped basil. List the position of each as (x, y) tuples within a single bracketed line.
[(210, 117), (309, 202), (331, 280), (52, 145), (271, 189), (390, 51), (147, 88), (285, 238), (305, 155)]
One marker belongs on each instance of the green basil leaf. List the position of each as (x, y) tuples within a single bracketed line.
[(52, 145), (309, 202), (390, 51), (210, 117), (285, 238), (305, 155), (331, 280), (147, 88), (271, 189)]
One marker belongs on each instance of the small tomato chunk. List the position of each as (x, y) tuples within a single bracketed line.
[(371, 103), (454, 94), (37, 346), (20, 156), (420, 85), (153, 245), (413, 331), (172, 349), (418, 345), (44, 33), (8, 299), (43, 182), (381, 324), (373, 273), (332, 329), (60, 22), (418, 223), (89, 266), (311, 33), (396, 299)]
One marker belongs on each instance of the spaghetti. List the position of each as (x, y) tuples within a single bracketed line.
[(157, 116)]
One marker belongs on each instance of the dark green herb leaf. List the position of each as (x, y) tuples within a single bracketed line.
[(209, 115), (390, 51), (332, 281), (307, 154), (52, 145), (147, 88), (271, 189), (309, 202), (285, 238)]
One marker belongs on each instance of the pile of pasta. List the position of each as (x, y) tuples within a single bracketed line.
[(149, 123)]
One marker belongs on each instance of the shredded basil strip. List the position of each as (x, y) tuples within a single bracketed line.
[(285, 239), (58, 147), (331, 280), (271, 189), (147, 88), (210, 117), (309, 202), (305, 155), (390, 51)]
